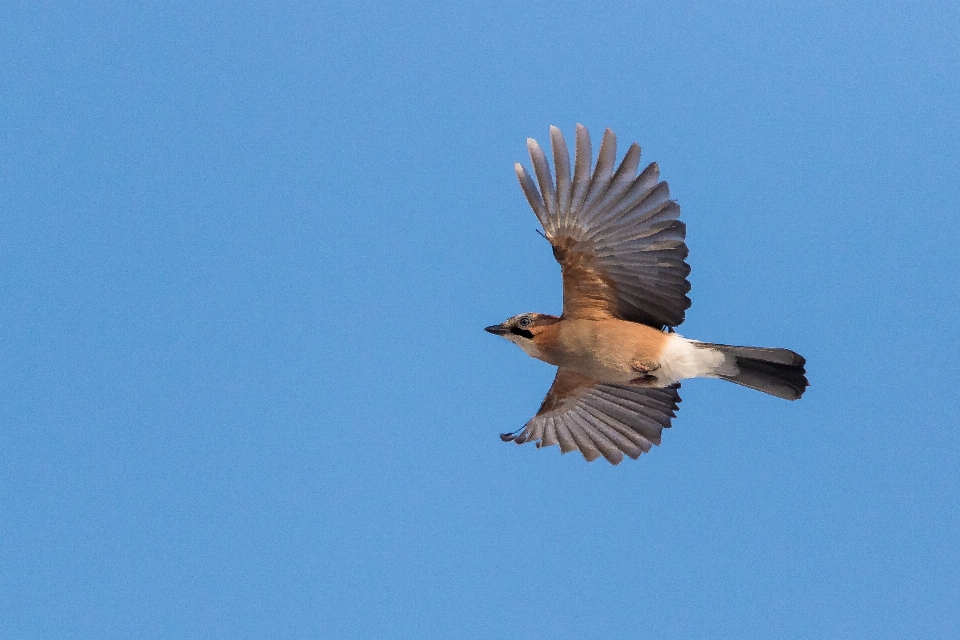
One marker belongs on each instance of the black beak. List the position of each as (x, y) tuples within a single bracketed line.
[(496, 329)]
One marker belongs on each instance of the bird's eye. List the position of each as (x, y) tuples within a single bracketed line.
[(524, 322)]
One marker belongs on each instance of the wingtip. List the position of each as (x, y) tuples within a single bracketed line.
[(560, 147), (608, 144), (521, 173), (536, 154)]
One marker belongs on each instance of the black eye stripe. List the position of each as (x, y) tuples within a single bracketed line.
[(522, 332)]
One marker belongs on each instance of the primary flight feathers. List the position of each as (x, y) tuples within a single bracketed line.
[(599, 419), (616, 234)]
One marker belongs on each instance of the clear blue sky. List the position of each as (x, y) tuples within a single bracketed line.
[(247, 253)]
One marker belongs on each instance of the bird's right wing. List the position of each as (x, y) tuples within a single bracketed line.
[(616, 234), (599, 419)]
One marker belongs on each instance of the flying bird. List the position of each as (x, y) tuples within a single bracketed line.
[(621, 249)]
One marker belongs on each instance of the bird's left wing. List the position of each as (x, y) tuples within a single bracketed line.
[(616, 234), (599, 419)]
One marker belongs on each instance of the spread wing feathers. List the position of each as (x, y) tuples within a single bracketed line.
[(599, 419), (615, 233)]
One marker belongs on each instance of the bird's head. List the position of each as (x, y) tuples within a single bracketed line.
[(522, 330)]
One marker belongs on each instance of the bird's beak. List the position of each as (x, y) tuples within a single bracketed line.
[(496, 329)]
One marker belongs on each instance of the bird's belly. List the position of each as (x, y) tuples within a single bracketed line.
[(614, 352), (604, 369)]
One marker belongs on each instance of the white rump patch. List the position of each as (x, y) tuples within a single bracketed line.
[(683, 358)]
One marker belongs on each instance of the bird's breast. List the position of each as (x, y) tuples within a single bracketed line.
[(612, 351)]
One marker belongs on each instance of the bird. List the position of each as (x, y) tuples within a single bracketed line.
[(622, 252)]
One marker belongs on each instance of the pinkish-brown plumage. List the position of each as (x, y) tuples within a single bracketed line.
[(620, 245)]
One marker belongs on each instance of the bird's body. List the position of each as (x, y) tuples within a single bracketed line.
[(620, 352), (621, 249)]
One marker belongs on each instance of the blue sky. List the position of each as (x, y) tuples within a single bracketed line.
[(247, 253)]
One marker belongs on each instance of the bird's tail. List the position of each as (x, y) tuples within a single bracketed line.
[(779, 372)]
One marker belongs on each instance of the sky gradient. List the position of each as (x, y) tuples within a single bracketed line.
[(247, 254)]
